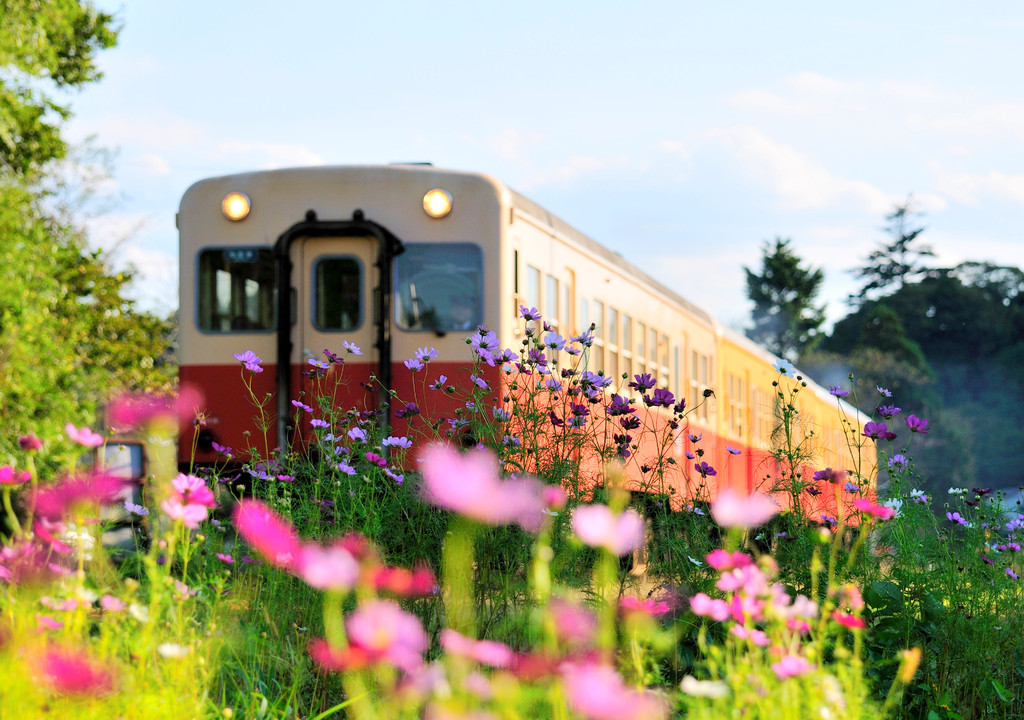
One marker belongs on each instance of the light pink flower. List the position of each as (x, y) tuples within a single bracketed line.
[(130, 411), (327, 568), (83, 436), (597, 692), (791, 666), (732, 510), (754, 635), (272, 536), (724, 560), (714, 608), (574, 625), (469, 484), (112, 604), (598, 526), (485, 652), (189, 501), (385, 632)]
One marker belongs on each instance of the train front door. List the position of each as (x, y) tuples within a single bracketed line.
[(336, 281)]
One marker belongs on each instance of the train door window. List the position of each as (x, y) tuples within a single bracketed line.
[(627, 346), (337, 293), (236, 289), (439, 287), (551, 313), (641, 349)]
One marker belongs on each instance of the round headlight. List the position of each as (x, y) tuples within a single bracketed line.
[(437, 203), (235, 206)]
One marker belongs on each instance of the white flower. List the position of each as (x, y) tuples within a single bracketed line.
[(139, 612), (714, 689), (173, 650), (895, 503), (695, 561)]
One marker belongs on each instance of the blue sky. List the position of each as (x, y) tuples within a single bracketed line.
[(682, 135)]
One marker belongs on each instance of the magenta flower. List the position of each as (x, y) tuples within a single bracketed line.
[(272, 536), (732, 510), (70, 672), (10, 476), (917, 425), (54, 502), (129, 411), (650, 606), (597, 692), (189, 501), (598, 526), (469, 484), (882, 512), (714, 608), (84, 436)]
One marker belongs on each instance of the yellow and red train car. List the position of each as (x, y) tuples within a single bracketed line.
[(288, 263)]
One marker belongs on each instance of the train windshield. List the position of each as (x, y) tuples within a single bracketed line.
[(439, 287), (236, 289)]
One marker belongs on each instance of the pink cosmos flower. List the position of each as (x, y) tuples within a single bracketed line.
[(757, 637), (72, 673), (131, 411), (30, 442), (327, 568), (385, 632), (112, 604), (574, 625), (404, 583), (724, 560), (650, 606), (597, 692), (272, 536), (485, 652), (53, 502), (791, 666), (732, 510), (469, 484), (598, 526), (705, 606), (10, 476), (848, 620), (882, 512), (84, 436), (189, 501)]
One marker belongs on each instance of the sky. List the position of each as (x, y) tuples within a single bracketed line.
[(682, 135)]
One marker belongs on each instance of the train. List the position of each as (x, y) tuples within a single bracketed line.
[(289, 263)]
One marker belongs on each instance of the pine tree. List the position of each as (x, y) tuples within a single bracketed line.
[(891, 266), (786, 320)]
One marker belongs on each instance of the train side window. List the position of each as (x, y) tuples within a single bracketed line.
[(337, 293), (613, 343), (551, 313), (235, 289), (597, 349), (439, 287), (627, 346), (641, 351), (532, 287)]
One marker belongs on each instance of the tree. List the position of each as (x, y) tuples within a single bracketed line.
[(44, 42), (68, 336), (890, 267), (786, 321)]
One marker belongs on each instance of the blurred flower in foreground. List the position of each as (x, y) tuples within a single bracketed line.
[(72, 673), (597, 692), (732, 510), (469, 484), (598, 526)]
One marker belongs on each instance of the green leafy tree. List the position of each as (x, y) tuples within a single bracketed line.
[(68, 336), (44, 45), (888, 268), (786, 320)]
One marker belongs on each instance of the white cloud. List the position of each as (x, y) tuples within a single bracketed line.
[(266, 156), (155, 164), (155, 131), (112, 232), (972, 188), (573, 168), (510, 143), (794, 177)]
